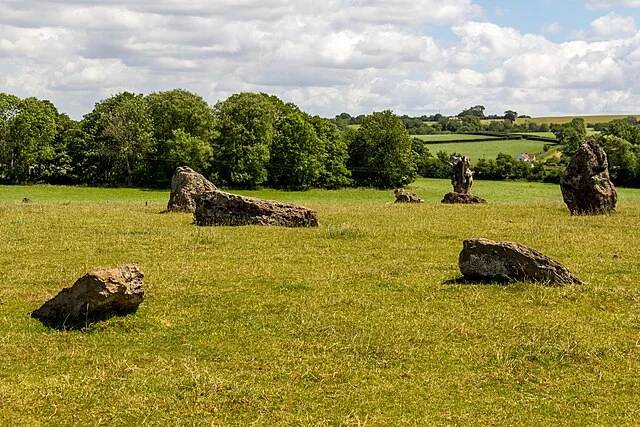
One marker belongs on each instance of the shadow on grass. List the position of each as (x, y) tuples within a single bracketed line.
[(496, 281), (464, 280), (84, 323)]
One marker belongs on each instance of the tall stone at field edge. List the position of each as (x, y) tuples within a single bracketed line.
[(462, 180), (186, 186), (586, 186), (96, 295), (220, 208), (507, 261)]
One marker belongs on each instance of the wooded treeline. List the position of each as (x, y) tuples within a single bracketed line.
[(246, 141), (250, 140)]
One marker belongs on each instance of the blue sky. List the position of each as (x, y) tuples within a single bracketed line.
[(412, 56)]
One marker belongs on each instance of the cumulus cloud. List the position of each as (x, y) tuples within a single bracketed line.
[(339, 55), (610, 26), (551, 28), (604, 4)]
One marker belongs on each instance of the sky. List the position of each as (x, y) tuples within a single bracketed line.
[(415, 57)]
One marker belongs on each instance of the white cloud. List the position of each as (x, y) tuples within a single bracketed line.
[(604, 4), (610, 26), (327, 57), (551, 28)]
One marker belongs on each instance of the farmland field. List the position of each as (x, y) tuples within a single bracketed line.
[(488, 149), (566, 119), (450, 137), (357, 322)]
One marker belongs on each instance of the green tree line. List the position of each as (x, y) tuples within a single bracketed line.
[(246, 141)]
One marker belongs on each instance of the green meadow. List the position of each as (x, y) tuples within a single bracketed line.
[(566, 119), (488, 149), (357, 322)]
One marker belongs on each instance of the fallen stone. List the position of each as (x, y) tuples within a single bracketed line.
[(220, 208), (403, 196), (186, 186), (507, 261), (585, 185), (97, 295), (462, 198)]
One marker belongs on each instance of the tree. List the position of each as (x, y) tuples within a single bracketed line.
[(27, 132), (571, 135), (476, 110), (333, 154), (246, 129), (128, 133), (295, 161), (380, 152), (510, 115), (184, 127), (622, 158)]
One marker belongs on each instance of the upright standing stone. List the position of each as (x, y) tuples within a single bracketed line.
[(462, 180), (97, 294), (186, 186), (586, 186)]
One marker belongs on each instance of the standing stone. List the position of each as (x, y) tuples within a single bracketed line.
[(98, 294), (403, 196), (586, 186), (186, 186), (220, 208), (507, 261), (462, 180)]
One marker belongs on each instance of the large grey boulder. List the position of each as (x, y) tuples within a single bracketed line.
[(220, 208), (507, 261), (98, 294), (186, 186), (586, 186)]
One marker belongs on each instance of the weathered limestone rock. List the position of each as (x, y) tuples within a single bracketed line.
[(462, 178), (586, 186), (403, 196), (96, 295), (220, 208), (186, 186), (462, 198), (507, 261)]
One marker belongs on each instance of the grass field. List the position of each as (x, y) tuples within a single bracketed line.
[(450, 137), (488, 149), (566, 119), (356, 322)]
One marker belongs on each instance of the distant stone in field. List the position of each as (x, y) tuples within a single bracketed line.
[(27, 200), (403, 196), (462, 175), (186, 186), (586, 186), (220, 208), (507, 261), (98, 294), (462, 180), (462, 198)]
